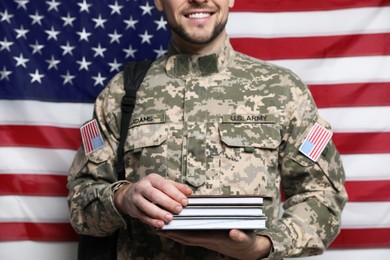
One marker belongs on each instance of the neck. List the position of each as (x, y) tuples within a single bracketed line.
[(198, 49)]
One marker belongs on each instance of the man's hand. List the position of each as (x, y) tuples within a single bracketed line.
[(235, 243), (140, 200)]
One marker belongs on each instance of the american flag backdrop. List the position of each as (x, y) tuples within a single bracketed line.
[(56, 56)]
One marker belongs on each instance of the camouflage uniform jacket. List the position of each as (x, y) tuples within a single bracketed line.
[(224, 123)]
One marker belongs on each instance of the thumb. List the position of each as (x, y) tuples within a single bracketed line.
[(237, 235)]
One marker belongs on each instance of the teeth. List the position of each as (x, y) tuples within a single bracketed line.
[(199, 15)]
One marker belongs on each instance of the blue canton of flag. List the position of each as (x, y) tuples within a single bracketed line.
[(67, 51)]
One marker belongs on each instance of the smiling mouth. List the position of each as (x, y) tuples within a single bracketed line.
[(198, 15)]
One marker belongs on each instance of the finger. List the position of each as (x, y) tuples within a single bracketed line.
[(175, 190), (157, 223), (146, 189), (167, 193), (158, 197), (150, 213), (238, 236), (183, 188)]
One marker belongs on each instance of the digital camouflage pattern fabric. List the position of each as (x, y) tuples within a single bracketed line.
[(223, 123)]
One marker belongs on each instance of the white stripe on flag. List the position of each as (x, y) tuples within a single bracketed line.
[(358, 119), (57, 161), (366, 215), (55, 210), (33, 250), (340, 70), (347, 119), (44, 113), (35, 160), (33, 209), (295, 24), (366, 167)]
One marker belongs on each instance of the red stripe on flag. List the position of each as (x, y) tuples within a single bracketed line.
[(314, 46), (33, 185), (369, 142), (86, 137), (52, 185), (302, 5), (352, 95), (368, 191), (348, 238), (318, 137), (40, 136), (37, 232), (362, 143), (362, 238)]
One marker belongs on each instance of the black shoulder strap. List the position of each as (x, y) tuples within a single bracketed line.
[(133, 74)]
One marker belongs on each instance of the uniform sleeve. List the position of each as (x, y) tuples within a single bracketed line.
[(92, 177), (314, 191)]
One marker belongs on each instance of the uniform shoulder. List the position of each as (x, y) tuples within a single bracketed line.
[(115, 84), (254, 63), (259, 69)]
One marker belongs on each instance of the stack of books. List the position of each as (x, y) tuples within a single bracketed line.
[(220, 212)]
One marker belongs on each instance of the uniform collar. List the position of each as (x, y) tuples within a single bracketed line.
[(183, 65)]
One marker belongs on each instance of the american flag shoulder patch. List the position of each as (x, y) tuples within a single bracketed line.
[(315, 142), (91, 136)]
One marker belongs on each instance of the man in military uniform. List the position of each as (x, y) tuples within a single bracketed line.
[(209, 120)]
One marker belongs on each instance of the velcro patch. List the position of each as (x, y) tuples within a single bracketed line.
[(91, 136), (315, 142)]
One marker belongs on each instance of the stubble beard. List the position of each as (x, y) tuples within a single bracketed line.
[(199, 40)]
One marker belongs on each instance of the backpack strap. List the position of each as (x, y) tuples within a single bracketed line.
[(133, 74)]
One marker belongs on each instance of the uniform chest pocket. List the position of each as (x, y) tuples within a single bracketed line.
[(148, 135), (264, 136), (146, 149), (249, 156), (146, 131)]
